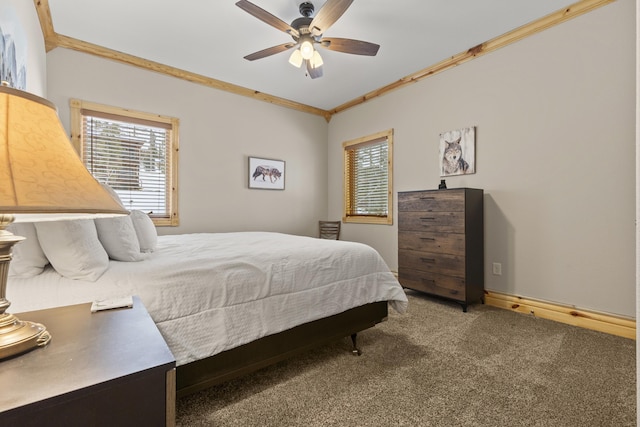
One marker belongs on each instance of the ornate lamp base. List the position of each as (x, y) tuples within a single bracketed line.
[(17, 336)]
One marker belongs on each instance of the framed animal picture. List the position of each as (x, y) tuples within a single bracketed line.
[(266, 174), (458, 152)]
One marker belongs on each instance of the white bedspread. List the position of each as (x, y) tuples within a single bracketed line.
[(211, 292)]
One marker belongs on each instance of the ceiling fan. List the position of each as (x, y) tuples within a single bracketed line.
[(307, 33)]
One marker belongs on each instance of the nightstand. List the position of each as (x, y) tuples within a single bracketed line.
[(109, 368)]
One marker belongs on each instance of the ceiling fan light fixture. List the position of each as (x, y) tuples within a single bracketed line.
[(316, 60), (306, 49), (296, 58), (307, 31)]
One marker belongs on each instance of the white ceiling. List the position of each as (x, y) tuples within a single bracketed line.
[(211, 37)]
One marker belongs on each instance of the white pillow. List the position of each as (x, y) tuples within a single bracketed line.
[(73, 248), (145, 230), (28, 258), (119, 238)]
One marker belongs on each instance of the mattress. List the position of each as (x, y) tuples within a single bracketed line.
[(210, 292)]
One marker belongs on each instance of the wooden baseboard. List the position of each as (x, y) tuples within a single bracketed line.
[(602, 322)]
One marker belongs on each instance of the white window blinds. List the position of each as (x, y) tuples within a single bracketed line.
[(131, 155), (366, 178)]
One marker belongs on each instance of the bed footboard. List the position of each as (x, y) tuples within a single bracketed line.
[(266, 351)]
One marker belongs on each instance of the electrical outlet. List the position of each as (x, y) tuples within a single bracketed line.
[(497, 269)]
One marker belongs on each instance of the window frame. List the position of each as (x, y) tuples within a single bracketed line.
[(76, 108), (348, 146)]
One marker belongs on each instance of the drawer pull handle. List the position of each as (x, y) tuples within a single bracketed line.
[(429, 281), (427, 218), (427, 198), (428, 238), (429, 260)]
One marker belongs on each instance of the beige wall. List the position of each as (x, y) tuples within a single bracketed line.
[(218, 131), (555, 118)]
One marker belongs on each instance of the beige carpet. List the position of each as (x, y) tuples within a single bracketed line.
[(438, 366)]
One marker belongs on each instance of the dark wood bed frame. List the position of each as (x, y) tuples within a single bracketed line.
[(198, 375)]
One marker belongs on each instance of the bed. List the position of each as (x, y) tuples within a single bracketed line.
[(225, 303)]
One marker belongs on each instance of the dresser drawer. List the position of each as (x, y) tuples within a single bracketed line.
[(431, 262), (433, 201), (432, 242), (435, 284), (444, 222)]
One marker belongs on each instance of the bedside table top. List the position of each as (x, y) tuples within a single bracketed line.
[(86, 350)]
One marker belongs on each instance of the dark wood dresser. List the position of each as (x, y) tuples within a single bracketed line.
[(110, 368), (441, 243)]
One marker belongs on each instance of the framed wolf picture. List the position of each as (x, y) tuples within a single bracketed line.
[(266, 174), (458, 152)]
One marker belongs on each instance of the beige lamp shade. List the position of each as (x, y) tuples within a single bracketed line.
[(40, 172)]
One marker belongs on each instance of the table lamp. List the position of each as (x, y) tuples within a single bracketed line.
[(41, 178)]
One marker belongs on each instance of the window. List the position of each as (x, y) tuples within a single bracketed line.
[(135, 153), (367, 179)]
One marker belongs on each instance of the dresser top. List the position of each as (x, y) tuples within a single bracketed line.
[(442, 190)]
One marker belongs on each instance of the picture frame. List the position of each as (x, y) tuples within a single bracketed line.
[(13, 49), (458, 152), (266, 174)]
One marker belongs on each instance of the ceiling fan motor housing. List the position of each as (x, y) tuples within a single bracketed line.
[(302, 25)]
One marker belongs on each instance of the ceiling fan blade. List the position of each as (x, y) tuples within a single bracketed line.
[(314, 73), (269, 51), (328, 15), (357, 47), (266, 17)]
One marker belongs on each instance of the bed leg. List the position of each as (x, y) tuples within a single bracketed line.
[(356, 351)]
